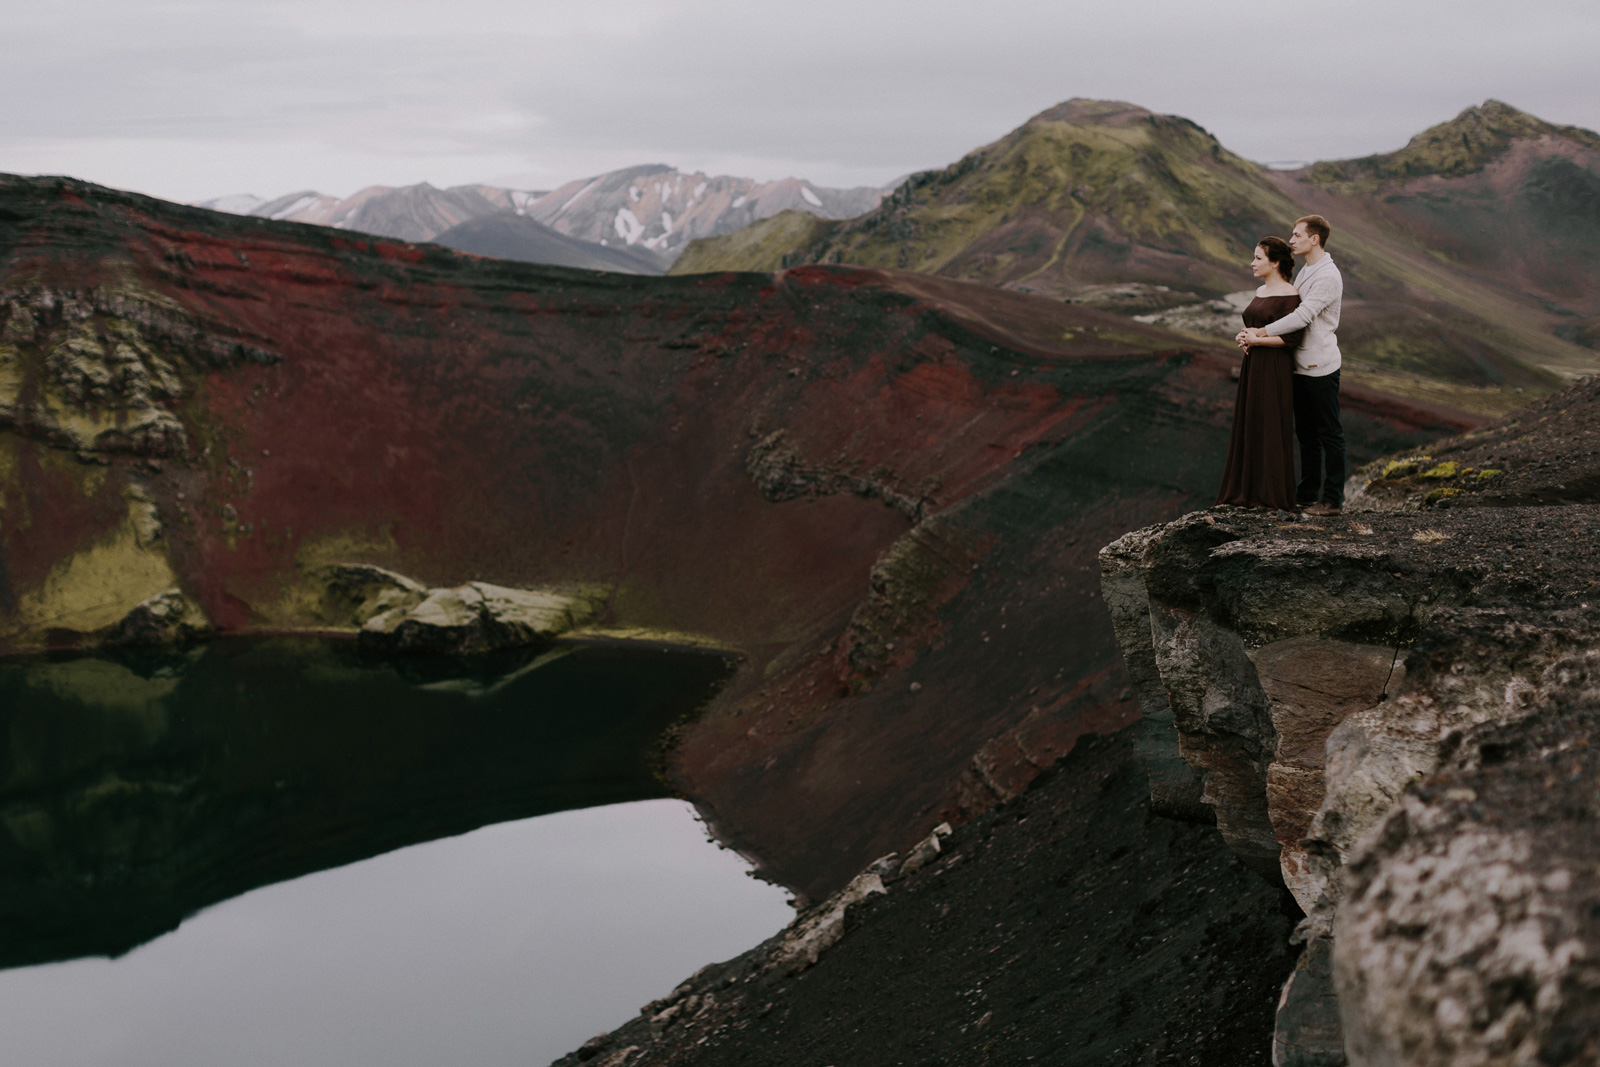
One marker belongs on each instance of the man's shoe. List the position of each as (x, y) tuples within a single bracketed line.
[(1322, 511)]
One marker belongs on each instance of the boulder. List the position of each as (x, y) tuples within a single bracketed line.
[(477, 617), (164, 620), (354, 593)]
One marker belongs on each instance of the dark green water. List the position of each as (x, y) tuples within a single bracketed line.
[(136, 791)]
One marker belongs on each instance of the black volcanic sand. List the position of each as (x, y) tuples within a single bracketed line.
[(1546, 453), (1070, 926)]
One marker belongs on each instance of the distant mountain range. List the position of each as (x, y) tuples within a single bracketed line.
[(636, 219), (1468, 255), (662, 209), (411, 213)]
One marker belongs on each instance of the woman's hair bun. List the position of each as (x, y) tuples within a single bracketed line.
[(1279, 253)]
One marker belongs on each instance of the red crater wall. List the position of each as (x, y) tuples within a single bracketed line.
[(886, 490)]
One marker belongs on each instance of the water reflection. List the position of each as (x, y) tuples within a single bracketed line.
[(510, 945), (135, 790)]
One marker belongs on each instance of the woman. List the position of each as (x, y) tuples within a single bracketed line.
[(1260, 468)]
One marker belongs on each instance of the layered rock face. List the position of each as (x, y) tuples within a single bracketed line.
[(1394, 713)]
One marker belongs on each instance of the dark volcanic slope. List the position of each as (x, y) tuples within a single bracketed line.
[(1070, 927), (507, 235), (886, 489)]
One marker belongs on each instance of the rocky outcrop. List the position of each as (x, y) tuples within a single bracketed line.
[(1469, 932), (96, 370), (392, 613), (1391, 712), (167, 620), (477, 617)]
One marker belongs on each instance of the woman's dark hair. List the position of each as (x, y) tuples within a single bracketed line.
[(1277, 250)]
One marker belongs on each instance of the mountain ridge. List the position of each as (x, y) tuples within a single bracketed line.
[(1461, 146), (1448, 293), (652, 211)]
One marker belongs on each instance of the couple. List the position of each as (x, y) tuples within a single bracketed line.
[(1291, 365)]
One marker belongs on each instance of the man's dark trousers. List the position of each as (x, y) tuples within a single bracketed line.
[(1316, 424)]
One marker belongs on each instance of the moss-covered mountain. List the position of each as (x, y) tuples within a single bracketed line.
[(1496, 194), (1465, 145), (1087, 192), (1469, 271), (760, 246)]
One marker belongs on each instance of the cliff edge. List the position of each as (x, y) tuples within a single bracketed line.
[(1395, 713)]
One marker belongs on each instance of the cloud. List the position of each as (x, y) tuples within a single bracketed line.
[(188, 99)]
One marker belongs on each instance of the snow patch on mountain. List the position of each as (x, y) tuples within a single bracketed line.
[(628, 226)]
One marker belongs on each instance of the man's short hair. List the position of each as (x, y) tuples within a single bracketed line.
[(1316, 226)]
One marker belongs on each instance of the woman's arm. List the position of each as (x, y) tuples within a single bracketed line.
[(1252, 339)]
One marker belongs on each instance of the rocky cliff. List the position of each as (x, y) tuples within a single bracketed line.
[(884, 489), (1394, 713)]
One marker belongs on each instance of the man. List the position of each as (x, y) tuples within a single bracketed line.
[(1316, 368)]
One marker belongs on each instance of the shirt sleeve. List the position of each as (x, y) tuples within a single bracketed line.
[(1320, 293)]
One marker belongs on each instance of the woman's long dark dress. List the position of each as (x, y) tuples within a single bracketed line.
[(1260, 468)]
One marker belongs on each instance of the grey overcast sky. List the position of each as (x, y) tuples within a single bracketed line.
[(188, 99)]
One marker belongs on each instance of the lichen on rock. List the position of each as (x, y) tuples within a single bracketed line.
[(1468, 935), (97, 371)]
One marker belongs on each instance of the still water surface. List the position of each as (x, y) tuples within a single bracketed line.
[(136, 794)]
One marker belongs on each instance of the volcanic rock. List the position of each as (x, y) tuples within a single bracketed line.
[(1347, 690), (1546, 453), (476, 617), (1043, 932), (163, 621), (1468, 934), (354, 593)]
